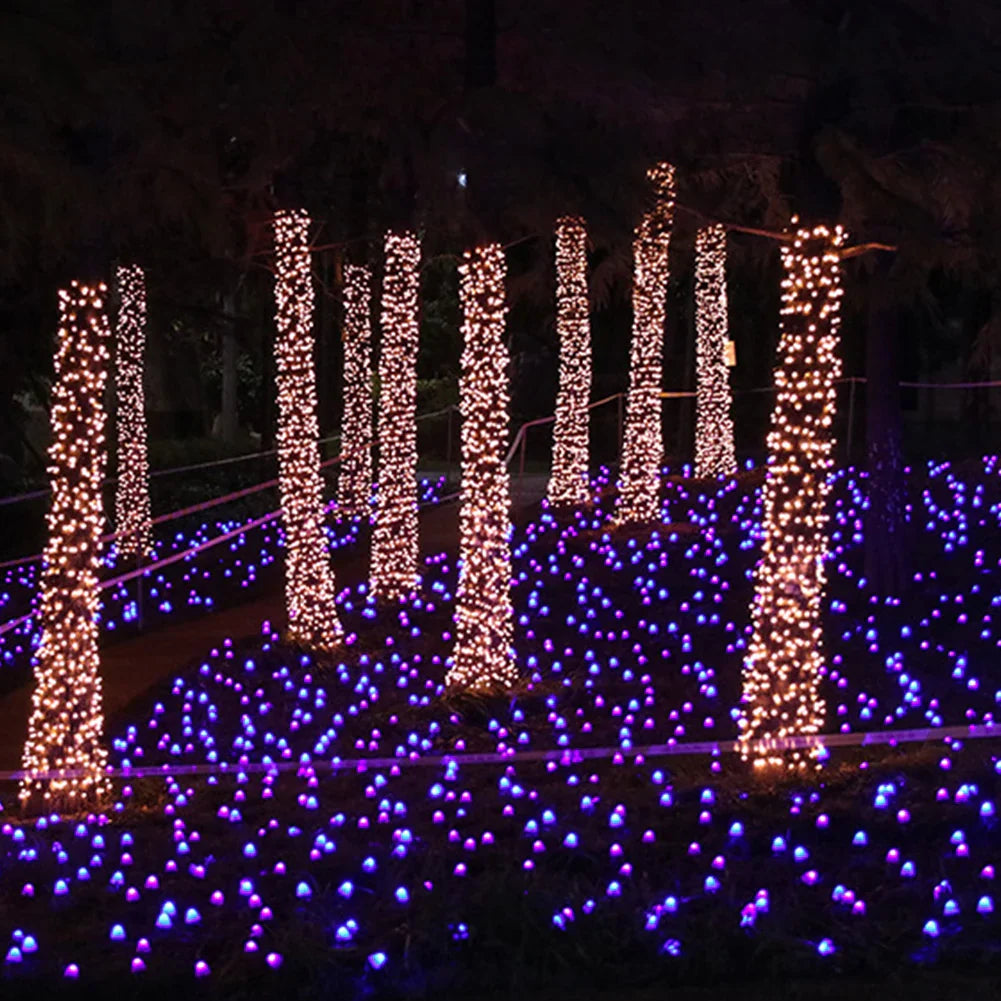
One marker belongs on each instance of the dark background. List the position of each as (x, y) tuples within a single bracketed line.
[(167, 133)]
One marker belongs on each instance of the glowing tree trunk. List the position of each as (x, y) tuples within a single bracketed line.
[(133, 520), (783, 665), (66, 723), (309, 579), (354, 487), (568, 485), (643, 444), (714, 451), (394, 539), (484, 655)]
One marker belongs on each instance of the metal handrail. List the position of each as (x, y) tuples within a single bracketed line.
[(209, 464), (225, 498)]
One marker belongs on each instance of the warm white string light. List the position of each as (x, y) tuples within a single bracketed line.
[(643, 442), (133, 518), (714, 449), (309, 579), (484, 652), (394, 538), (354, 486), (568, 484), (782, 668), (67, 721)]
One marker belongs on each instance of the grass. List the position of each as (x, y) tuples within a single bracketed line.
[(514, 948)]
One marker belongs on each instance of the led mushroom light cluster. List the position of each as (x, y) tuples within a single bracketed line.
[(309, 578), (354, 486), (782, 668), (133, 518), (394, 538), (484, 645), (643, 442), (714, 448), (568, 483), (302, 821), (65, 728)]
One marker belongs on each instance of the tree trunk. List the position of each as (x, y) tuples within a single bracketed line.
[(229, 419), (886, 527)]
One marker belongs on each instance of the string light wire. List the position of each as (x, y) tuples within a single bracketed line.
[(66, 725), (643, 444), (133, 516), (309, 578), (354, 485), (394, 538), (714, 448), (568, 483), (782, 668), (484, 649)]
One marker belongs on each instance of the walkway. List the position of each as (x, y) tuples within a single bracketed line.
[(133, 666)]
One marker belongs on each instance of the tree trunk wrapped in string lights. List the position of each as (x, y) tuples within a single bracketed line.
[(133, 518), (714, 449), (484, 646), (782, 668), (354, 486), (309, 579), (643, 444), (568, 484), (67, 720), (394, 538)]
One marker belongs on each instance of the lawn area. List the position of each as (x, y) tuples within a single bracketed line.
[(344, 827)]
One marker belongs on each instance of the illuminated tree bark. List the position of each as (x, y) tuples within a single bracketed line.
[(67, 719), (782, 669), (643, 444), (133, 518), (714, 449), (354, 486), (568, 484), (309, 579), (394, 539), (484, 652)]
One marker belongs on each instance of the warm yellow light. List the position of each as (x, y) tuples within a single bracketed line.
[(133, 518), (782, 668), (309, 579), (354, 484), (643, 444), (568, 484), (67, 720), (484, 651), (394, 538), (714, 450)]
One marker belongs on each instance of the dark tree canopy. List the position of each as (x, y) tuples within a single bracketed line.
[(168, 131)]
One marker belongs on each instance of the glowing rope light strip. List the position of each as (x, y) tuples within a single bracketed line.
[(568, 484), (782, 669), (484, 646), (714, 449), (309, 579), (133, 518), (643, 445), (67, 719), (394, 539), (870, 738), (354, 485)]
